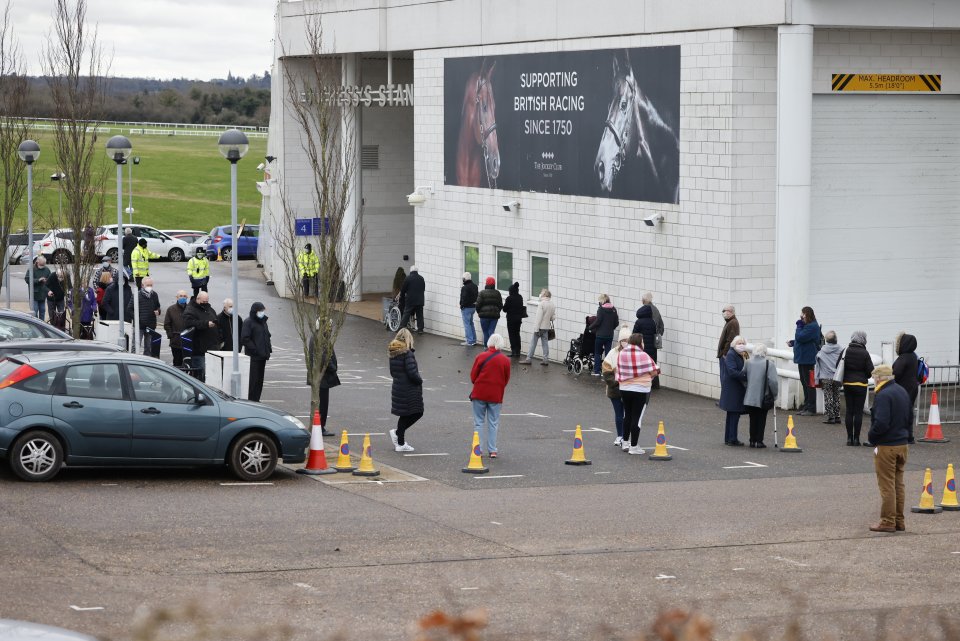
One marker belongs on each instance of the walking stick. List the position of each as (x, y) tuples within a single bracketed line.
[(775, 444)]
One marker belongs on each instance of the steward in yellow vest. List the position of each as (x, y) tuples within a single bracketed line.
[(140, 261), (309, 265), (198, 269)]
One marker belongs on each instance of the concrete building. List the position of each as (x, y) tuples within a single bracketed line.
[(817, 160)]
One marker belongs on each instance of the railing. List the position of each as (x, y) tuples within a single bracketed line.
[(945, 380)]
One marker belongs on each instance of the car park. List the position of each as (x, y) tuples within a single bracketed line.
[(18, 247), (57, 246), (197, 240), (221, 241), (158, 242), (88, 409), (19, 326), (186, 235)]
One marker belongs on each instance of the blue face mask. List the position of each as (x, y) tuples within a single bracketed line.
[(182, 300)]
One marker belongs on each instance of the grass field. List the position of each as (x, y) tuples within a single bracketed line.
[(182, 182)]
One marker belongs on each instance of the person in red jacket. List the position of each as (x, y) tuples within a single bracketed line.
[(490, 375)]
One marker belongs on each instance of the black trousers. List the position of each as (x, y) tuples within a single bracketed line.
[(257, 369), (323, 405), (855, 396), (633, 404), (307, 280), (403, 422), (177, 356), (198, 285), (758, 423), (513, 331), (809, 393), (410, 311)]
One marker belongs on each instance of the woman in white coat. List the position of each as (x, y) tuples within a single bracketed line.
[(546, 312)]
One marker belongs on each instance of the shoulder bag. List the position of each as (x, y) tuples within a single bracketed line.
[(551, 333), (838, 375), (768, 399)]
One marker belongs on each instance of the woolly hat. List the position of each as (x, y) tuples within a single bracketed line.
[(490, 280), (624, 333), (882, 370)]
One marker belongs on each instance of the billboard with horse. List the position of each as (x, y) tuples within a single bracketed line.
[(602, 123)]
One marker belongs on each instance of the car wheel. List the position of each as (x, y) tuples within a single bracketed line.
[(112, 253), (62, 257), (36, 456), (226, 253), (253, 457), (175, 255)]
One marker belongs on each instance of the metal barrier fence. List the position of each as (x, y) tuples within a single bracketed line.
[(945, 379)]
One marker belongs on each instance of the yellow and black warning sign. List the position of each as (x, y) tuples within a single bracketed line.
[(886, 82)]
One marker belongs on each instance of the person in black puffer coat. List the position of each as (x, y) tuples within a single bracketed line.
[(489, 306), (857, 366), (200, 316), (647, 327), (148, 309), (516, 311), (406, 394), (255, 338), (603, 326), (905, 367), (111, 302)]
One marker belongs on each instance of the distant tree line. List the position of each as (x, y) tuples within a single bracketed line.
[(230, 101)]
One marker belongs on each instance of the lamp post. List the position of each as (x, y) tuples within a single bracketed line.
[(130, 210), (233, 146), (29, 151), (118, 150)]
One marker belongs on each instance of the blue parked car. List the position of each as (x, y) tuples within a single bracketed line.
[(118, 409), (221, 240)]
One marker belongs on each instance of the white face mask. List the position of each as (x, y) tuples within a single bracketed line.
[(229, 311), (740, 348), (261, 314), (148, 289)]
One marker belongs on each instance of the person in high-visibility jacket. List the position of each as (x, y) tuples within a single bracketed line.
[(309, 265), (140, 261), (198, 269)]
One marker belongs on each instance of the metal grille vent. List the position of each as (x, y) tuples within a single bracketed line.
[(370, 157)]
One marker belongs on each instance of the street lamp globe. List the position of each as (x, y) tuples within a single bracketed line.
[(28, 151), (233, 144), (119, 149)]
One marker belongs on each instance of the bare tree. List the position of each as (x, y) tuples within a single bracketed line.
[(76, 69), (325, 128), (14, 91)]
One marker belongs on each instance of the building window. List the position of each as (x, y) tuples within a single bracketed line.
[(539, 274), (504, 269), (471, 261)]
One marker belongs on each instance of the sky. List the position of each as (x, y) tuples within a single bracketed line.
[(195, 39)]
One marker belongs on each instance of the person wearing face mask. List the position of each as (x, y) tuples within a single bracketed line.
[(309, 265), (109, 306), (198, 269), (542, 323), (140, 261), (255, 339), (106, 265), (200, 316), (149, 310), (225, 323), (733, 388), (173, 325)]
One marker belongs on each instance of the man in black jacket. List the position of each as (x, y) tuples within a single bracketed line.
[(225, 321), (148, 307), (129, 244), (173, 325), (468, 305), (412, 298), (891, 430), (905, 367), (255, 339), (202, 319)]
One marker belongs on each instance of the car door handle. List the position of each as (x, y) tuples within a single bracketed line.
[(150, 410), (73, 405)]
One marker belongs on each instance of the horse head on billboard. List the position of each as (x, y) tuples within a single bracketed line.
[(478, 149)]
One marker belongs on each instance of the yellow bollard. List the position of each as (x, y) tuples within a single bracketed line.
[(366, 460), (660, 451), (790, 442), (578, 457), (475, 466)]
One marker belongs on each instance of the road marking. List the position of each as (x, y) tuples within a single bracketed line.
[(496, 523), (674, 447), (530, 414), (741, 467), (601, 472), (591, 429), (305, 586), (791, 561), (246, 484), (662, 576), (469, 588), (738, 569), (428, 454), (502, 476), (79, 609)]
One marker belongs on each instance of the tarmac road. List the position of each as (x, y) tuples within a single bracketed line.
[(551, 550)]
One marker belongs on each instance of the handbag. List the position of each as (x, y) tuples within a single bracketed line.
[(841, 362), (768, 399), (551, 333), (658, 341)]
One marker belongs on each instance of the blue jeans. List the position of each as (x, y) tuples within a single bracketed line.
[(618, 414), (487, 413), (38, 307), (469, 332), (600, 348), (489, 327)]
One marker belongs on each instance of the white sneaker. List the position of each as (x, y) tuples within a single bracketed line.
[(406, 447), (636, 450), (625, 444), (618, 441), (393, 437)]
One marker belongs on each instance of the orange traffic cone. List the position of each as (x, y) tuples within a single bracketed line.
[(949, 500), (578, 457), (790, 442), (660, 451), (343, 459), (926, 497), (475, 466), (934, 431), (317, 463), (219, 257), (366, 460)]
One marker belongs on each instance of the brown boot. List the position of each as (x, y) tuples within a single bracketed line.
[(881, 527)]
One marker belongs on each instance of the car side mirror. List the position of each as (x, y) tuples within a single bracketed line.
[(201, 399)]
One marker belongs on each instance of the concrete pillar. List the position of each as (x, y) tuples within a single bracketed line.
[(794, 142), (350, 148)]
